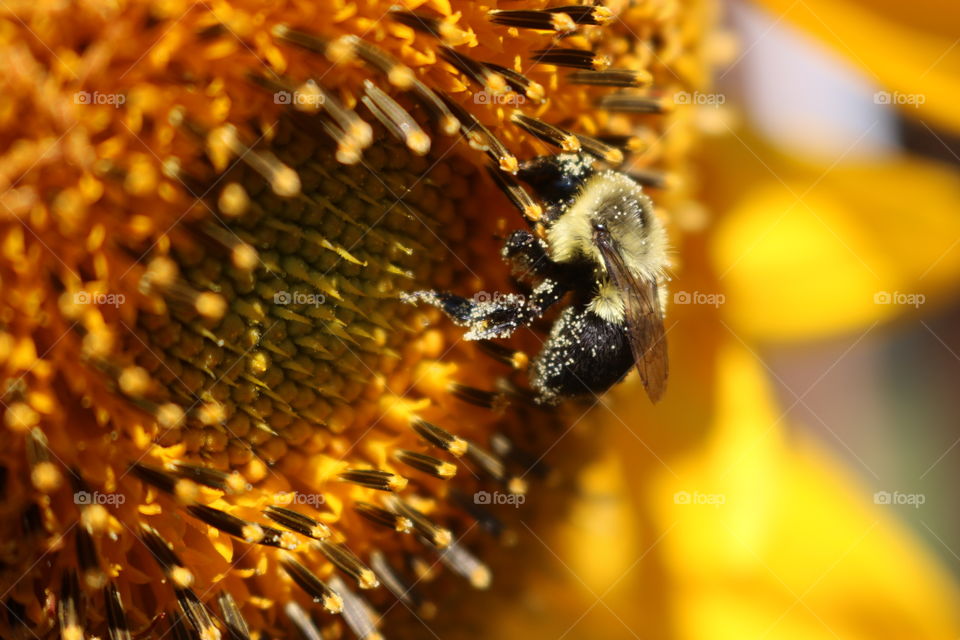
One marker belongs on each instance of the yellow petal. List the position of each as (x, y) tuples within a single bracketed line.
[(803, 251), (909, 48), (764, 535)]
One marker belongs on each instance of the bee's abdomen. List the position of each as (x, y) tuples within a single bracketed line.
[(584, 354)]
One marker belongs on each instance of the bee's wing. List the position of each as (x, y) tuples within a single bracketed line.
[(644, 319)]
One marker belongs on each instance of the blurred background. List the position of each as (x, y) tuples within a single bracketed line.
[(883, 396)]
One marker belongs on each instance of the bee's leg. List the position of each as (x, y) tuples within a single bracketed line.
[(461, 310), (527, 254), (501, 316), (491, 315)]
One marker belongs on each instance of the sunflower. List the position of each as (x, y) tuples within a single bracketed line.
[(220, 420)]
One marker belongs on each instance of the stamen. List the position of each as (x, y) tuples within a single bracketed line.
[(44, 473), (169, 562), (399, 75), (546, 132), (575, 58), (206, 303), (179, 629), (307, 97), (476, 71), (654, 178), (284, 181), (438, 536), (247, 531), (374, 479), (301, 620), (388, 519), (314, 587), (609, 154), (438, 110), (560, 22), (158, 478), (93, 576), (585, 14), (161, 274), (432, 26), (612, 78), (207, 476), (350, 564), (196, 613), (440, 437), (630, 103), (117, 627), (308, 41), (492, 400), (516, 194), (242, 255), (516, 359), (520, 83), (402, 589), (632, 144), (296, 521), (356, 612), (233, 620), (460, 561), (396, 119), (353, 126), (69, 612), (427, 464), (348, 151), (496, 469)]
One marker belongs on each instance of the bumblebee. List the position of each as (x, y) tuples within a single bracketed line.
[(598, 245)]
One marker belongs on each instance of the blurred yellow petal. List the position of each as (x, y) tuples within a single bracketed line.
[(807, 250), (764, 535), (924, 35)]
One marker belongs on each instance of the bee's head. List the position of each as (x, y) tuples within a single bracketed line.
[(557, 179)]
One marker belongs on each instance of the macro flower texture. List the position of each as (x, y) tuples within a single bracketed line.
[(226, 413)]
